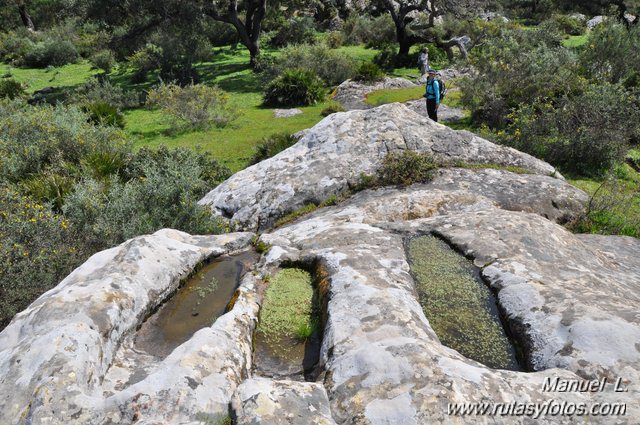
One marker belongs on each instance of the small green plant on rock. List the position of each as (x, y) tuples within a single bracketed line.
[(404, 169), (272, 145)]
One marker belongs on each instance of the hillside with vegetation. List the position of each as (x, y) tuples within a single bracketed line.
[(116, 118)]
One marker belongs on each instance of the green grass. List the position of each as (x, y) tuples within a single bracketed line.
[(575, 41), (615, 206), (382, 97), (64, 76), (288, 309)]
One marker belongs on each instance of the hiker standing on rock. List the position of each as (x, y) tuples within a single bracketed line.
[(433, 95), (423, 61)]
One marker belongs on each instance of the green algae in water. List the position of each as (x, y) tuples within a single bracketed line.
[(458, 304), (287, 339), (288, 305)]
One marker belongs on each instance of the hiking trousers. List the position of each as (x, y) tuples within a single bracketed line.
[(431, 109)]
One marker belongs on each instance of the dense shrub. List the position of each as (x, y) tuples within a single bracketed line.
[(373, 32), (14, 45), (406, 168), (369, 73), (103, 59), (388, 58), (102, 90), (103, 113), (35, 140), (334, 39), (145, 60), (10, 88), (37, 249), (613, 52), (195, 106), (295, 87), (586, 134), (331, 66), (519, 67), (51, 52), (86, 190), (569, 25), (297, 30), (272, 145), (164, 195), (332, 108)]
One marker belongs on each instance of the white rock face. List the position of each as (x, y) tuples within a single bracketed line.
[(572, 298), (330, 158), (55, 355)]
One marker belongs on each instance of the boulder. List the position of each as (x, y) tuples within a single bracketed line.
[(445, 113), (570, 299), (595, 21), (330, 158), (286, 113), (55, 354)]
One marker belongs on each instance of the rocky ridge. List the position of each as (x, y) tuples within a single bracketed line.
[(572, 300)]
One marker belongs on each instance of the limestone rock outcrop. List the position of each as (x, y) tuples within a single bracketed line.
[(352, 94), (571, 301), (331, 157)]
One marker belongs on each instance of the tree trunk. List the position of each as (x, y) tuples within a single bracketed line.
[(26, 18), (254, 52)]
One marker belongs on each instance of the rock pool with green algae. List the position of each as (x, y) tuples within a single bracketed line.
[(289, 313), (460, 307)]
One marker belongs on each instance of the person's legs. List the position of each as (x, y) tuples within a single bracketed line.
[(431, 109)]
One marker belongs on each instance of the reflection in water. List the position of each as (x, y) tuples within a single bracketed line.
[(197, 304)]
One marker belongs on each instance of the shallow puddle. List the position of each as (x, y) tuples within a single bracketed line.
[(287, 340), (460, 307), (197, 304)]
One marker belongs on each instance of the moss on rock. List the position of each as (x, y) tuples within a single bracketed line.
[(457, 304)]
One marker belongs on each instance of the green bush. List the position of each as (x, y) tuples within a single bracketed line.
[(373, 32), (295, 87), (195, 106), (369, 73), (51, 52), (35, 140), (334, 39), (569, 25), (586, 134), (166, 194), (272, 145), (332, 108), (102, 90), (521, 67), (401, 168), (388, 58), (14, 45), (613, 52), (145, 60), (102, 113), (297, 30), (331, 66), (104, 60), (38, 248), (10, 88), (406, 168)]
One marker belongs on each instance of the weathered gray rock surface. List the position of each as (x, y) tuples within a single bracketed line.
[(56, 354), (567, 294), (330, 158), (286, 113), (264, 401)]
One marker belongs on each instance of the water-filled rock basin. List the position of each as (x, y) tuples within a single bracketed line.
[(197, 304), (460, 307)]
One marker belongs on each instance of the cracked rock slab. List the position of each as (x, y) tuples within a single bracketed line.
[(330, 158), (264, 401), (56, 353)]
